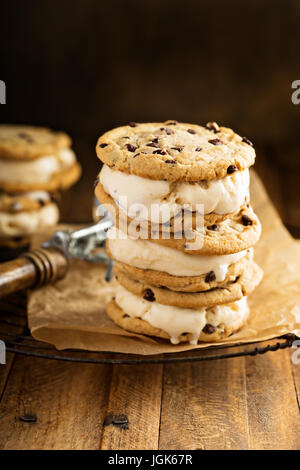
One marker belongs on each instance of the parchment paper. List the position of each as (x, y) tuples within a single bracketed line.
[(71, 313)]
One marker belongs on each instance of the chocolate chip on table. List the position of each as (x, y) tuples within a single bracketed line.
[(215, 142), (160, 152), (170, 161), (179, 149), (213, 227), (191, 131), (16, 206), (210, 277), (28, 418), (198, 149), (231, 169), (246, 220), (132, 124), (247, 141), (103, 145), (149, 295), (209, 329), (120, 421), (131, 148), (213, 126)]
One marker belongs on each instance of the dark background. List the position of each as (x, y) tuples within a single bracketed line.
[(86, 66)]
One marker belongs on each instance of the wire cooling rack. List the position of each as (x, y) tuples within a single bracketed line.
[(17, 338)]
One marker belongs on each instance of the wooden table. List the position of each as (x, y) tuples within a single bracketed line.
[(241, 403)]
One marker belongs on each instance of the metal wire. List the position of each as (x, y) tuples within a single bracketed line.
[(24, 344)]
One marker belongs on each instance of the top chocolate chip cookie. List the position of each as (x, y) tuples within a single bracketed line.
[(27, 142), (175, 151)]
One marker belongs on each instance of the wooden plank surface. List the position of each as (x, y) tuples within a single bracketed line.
[(136, 393), (273, 411), (69, 401), (204, 406)]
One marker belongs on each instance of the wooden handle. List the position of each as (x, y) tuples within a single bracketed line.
[(33, 268)]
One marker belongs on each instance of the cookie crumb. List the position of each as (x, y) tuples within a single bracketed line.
[(213, 126)]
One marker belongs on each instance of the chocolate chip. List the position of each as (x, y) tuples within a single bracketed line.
[(213, 227), (155, 140), (26, 137), (125, 315), (191, 131), (246, 220), (120, 421), (41, 202), (179, 149), (16, 206), (198, 149), (215, 142), (210, 277), (209, 329), (167, 131), (131, 148), (132, 124), (171, 123), (247, 141), (103, 145), (28, 418), (170, 161), (213, 126), (149, 295), (152, 144), (231, 169), (160, 152), (136, 154)]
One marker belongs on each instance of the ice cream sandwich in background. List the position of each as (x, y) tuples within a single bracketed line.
[(35, 164)]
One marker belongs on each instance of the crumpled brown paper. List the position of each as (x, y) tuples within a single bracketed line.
[(71, 313)]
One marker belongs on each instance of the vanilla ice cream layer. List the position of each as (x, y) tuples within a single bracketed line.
[(26, 223), (158, 201), (145, 254), (39, 170), (177, 320)]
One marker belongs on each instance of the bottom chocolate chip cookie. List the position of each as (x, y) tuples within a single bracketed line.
[(175, 323)]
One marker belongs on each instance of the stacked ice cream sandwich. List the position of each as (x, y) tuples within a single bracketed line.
[(35, 163), (182, 244)]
